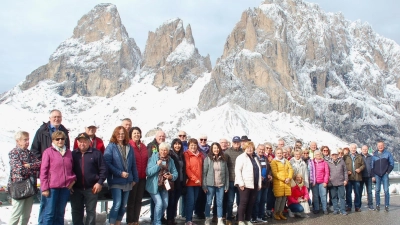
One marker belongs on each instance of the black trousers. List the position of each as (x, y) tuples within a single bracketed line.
[(79, 199)]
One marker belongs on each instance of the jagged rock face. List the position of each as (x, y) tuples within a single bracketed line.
[(171, 54), (98, 60), (290, 56)]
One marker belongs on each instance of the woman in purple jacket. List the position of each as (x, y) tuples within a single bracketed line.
[(56, 180)]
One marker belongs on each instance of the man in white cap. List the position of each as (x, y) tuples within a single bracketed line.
[(95, 142)]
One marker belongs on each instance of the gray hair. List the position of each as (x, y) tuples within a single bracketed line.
[(164, 145), (55, 110), (20, 134), (353, 144), (317, 151)]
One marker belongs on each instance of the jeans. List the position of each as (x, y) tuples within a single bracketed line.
[(224, 204), (79, 200), (259, 205), (52, 208), (353, 185), (160, 205), (219, 193), (384, 180), (367, 181), (231, 198), (120, 199), (173, 198), (182, 205), (192, 193), (337, 194), (270, 199), (296, 208), (247, 198), (21, 211), (135, 202), (319, 191)]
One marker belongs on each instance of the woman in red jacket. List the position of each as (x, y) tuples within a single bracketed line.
[(194, 172), (136, 194), (299, 195)]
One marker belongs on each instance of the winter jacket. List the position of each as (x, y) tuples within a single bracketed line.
[(368, 165), (115, 165), (244, 174), (337, 172), (358, 164), (89, 168), (297, 192), (56, 170), (152, 171), (265, 171), (209, 173), (194, 168), (185, 146), (382, 164), (299, 166), (18, 157), (95, 143), (152, 147), (232, 155), (321, 172), (42, 139), (141, 157), (180, 182), (280, 172)]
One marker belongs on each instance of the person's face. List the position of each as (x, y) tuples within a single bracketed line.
[(224, 144), (334, 156), (340, 153), (91, 131), (268, 149), (249, 150), (285, 154), (298, 179), (182, 136), (242, 143), (203, 141), (313, 146), (281, 144), (160, 137), (55, 118), (317, 155), (193, 147), (177, 146), (306, 154), (236, 145), (364, 150), (260, 150), (59, 141), (298, 145), (297, 155), (278, 154), (136, 135), (127, 124), (381, 146), (325, 152), (353, 149), (345, 151), (215, 150), (23, 142), (121, 135), (163, 152), (83, 144)]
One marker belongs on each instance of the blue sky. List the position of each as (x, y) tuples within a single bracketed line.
[(31, 30)]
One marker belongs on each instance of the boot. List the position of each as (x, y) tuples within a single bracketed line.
[(290, 213), (220, 221), (276, 216), (282, 217), (214, 219), (208, 221), (229, 222)]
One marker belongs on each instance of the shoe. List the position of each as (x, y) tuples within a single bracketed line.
[(357, 210), (303, 215), (370, 207), (208, 221), (190, 223), (326, 213), (269, 214), (290, 213), (259, 220), (248, 223), (335, 212), (263, 219), (163, 220), (228, 222), (282, 216), (220, 221), (241, 223), (253, 220), (316, 211), (276, 216), (378, 208), (387, 208), (214, 219), (345, 213), (348, 209), (200, 217)]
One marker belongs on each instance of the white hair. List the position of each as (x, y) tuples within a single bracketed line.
[(20, 134), (163, 145)]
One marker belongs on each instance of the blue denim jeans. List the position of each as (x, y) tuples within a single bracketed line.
[(319, 191), (367, 181), (353, 185), (120, 199), (219, 193), (259, 205), (338, 199), (231, 198), (384, 180), (160, 205), (52, 208), (296, 208), (192, 193)]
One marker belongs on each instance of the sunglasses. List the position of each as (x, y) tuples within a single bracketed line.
[(203, 139), (268, 148), (181, 135), (306, 153), (58, 139)]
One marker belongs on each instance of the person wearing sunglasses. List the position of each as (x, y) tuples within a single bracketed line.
[(183, 137), (57, 163)]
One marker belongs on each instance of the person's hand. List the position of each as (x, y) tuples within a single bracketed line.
[(345, 182), (313, 185), (205, 190), (133, 183), (241, 188), (358, 170), (167, 176), (269, 177), (349, 172), (27, 165), (226, 191), (373, 179), (197, 182), (287, 180), (46, 193), (324, 184), (70, 187), (159, 162), (96, 188), (124, 175)]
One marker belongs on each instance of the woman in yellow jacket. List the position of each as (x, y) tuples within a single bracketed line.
[(282, 174)]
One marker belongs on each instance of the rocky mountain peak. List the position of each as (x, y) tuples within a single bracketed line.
[(98, 60), (172, 57)]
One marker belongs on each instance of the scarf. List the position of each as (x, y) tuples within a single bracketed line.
[(163, 170), (122, 150), (60, 150)]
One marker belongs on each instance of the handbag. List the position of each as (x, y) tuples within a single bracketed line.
[(306, 206), (21, 189)]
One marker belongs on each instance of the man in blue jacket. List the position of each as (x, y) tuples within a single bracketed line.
[(382, 165), (91, 171)]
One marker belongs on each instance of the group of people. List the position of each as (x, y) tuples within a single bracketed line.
[(265, 180)]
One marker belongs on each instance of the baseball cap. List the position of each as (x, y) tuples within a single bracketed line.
[(83, 135), (236, 139)]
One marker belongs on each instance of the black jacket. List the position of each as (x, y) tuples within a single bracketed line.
[(42, 139), (89, 168), (152, 147)]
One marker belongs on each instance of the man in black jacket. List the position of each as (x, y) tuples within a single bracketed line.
[(91, 171), (42, 139)]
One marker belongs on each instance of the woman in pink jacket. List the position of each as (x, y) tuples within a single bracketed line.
[(319, 181), (56, 180)]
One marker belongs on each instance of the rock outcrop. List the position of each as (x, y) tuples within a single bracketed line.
[(290, 56), (98, 60), (171, 55)]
